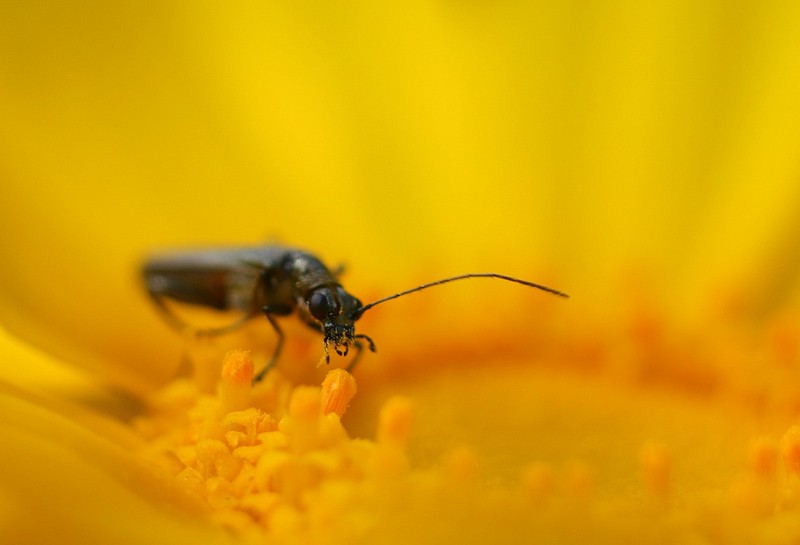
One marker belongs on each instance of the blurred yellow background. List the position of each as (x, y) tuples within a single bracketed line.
[(587, 145)]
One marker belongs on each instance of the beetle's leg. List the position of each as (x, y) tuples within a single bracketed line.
[(358, 346), (190, 331), (168, 315), (276, 354), (352, 364), (326, 353), (369, 342)]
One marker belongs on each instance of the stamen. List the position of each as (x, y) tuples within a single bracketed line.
[(237, 374), (338, 389)]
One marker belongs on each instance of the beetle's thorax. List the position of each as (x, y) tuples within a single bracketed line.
[(307, 273)]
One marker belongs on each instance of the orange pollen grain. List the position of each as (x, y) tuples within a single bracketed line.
[(338, 390), (237, 368), (237, 376)]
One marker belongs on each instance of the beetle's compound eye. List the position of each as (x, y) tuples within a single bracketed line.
[(322, 305)]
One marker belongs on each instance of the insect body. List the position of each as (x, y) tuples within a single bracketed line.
[(275, 281)]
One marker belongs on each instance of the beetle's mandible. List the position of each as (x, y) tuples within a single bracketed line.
[(276, 281)]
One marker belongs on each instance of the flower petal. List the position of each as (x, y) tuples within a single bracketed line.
[(59, 481)]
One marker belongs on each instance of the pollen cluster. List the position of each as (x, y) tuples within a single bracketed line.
[(603, 460), (272, 456)]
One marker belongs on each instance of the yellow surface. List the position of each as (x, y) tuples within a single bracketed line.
[(641, 157)]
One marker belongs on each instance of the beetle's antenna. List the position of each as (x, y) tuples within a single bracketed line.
[(359, 311)]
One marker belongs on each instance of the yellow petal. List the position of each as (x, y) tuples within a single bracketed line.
[(61, 481), (512, 138)]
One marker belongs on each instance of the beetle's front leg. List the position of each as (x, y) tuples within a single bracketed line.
[(358, 346), (352, 364)]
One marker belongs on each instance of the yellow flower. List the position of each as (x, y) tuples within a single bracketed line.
[(642, 158)]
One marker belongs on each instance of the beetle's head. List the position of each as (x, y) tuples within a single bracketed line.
[(336, 311)]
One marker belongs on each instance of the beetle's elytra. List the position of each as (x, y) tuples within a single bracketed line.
[(276, 281)]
